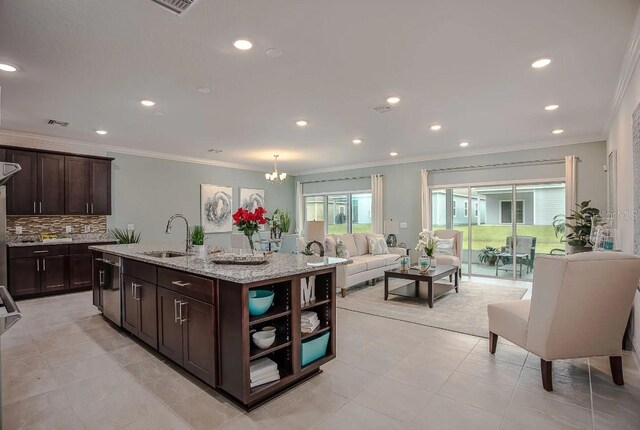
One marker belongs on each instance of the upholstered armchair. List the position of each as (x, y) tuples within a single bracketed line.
[(451, 260), (579, 307)]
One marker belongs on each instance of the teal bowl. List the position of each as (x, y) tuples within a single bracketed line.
[(259, 301)]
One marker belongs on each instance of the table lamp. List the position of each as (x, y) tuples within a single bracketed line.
[(314, 235)]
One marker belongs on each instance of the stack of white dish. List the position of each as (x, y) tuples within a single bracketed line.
[(309, 321), (262, 371)]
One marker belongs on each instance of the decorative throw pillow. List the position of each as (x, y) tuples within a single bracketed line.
[(445, 247), (330, 246), (377, 246), (341, 249)]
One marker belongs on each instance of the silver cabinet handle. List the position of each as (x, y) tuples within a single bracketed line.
[(101, 277), (34, 208), (180, 284), (37, 264), (183, 320), (40, 207), (133, 290), (87, 207), (44, 265), (41, 252), (175, 310), (91, 207), (138, 291)]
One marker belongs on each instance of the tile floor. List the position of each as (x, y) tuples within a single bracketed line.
[(64, 367)]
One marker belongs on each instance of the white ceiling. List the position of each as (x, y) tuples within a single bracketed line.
[(464, 64)]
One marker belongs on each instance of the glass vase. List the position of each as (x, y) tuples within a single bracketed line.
[(424, 263)]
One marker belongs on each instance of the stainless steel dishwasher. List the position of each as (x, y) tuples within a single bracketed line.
[(109, 275), (9, 315)]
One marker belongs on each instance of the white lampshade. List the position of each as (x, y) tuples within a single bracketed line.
[(314, 230), (391, 227)]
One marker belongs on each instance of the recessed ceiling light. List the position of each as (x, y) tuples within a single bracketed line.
[(101, 132), (393, 154), (357, 141), (393, 100), (464, 144), (147, 103), (551, 107), (204, 90), (243, 44), (5, 67), (301, 123), (435, 127), (274, 53), (558, 131), (540, 63)]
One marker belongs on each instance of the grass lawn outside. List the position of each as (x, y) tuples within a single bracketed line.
[(342, 228)]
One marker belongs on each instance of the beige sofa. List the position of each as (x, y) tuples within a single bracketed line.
[(579, 308), (364, 266)]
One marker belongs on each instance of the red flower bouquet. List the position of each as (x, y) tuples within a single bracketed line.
[(249, 222)]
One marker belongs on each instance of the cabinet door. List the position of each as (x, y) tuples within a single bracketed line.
[(53, 275), (199, 339), (98, 282), (76, 186), (50, 184), (24, 276), (147, 313), (22, 192), (169, 330), (100, 187), (80, 274), (129, 304)]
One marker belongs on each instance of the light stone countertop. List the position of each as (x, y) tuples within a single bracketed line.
[(278, 265), (74, 242)]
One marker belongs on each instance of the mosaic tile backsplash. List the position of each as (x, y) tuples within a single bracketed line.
[(34, 226)]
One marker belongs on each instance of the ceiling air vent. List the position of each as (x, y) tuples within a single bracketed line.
[(60, 123), (176, 6), (383, 108)]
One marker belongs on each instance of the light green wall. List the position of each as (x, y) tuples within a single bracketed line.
[(402, 181), (147, 191)]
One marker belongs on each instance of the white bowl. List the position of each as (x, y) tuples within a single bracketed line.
[(263, 339)]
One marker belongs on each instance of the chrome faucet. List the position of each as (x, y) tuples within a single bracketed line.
[(188, 245)]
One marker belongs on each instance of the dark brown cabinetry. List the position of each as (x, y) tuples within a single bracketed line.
[(186, 333), (87, 186), (58, 184), (139, 312)]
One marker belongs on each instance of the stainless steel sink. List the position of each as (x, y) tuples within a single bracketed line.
[(164, 254)]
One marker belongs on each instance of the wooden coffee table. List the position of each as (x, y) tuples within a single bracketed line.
[(413, 290)]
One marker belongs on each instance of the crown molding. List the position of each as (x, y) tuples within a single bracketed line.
[(460, 154), (628, 67), (50, 143)]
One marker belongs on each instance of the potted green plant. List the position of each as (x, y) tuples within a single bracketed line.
[(124, 236), (575, 229), (489, 255), (197, 240)]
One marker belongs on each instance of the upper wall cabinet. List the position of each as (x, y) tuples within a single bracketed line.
[(87, 186), (58, 184)]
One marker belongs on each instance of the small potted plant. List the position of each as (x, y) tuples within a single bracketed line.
[(197, 240), (122, 235), (489, 255), (575, 229)]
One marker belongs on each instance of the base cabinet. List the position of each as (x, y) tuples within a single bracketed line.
[(186, 333), (139, 309)]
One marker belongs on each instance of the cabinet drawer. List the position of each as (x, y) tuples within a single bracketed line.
[(38, 251), (137, 269), (187, 284), (83, 248)]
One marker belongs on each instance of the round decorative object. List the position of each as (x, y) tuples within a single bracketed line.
[(392, 240), (320, 250), (402, 245)]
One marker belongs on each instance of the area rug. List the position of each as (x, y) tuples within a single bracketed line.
[(464, 312)]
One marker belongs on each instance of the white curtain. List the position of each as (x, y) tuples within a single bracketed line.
[(426, 200), (570, 183), (299, 209), (377, 217)]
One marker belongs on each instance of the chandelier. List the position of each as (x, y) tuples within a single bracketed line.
[(275, 177)]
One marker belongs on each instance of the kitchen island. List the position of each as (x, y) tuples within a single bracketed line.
[(197, 314)]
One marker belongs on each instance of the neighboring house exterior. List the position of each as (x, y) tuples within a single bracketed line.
[(535, 205)]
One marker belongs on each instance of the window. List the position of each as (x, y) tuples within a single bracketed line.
[(454, 211), (476, 211), (345, 213), (466, 209), (505, 211)]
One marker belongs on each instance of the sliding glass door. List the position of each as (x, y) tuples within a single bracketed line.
[(490, 216)]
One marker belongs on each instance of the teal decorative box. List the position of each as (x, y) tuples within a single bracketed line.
[(315, 348)]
